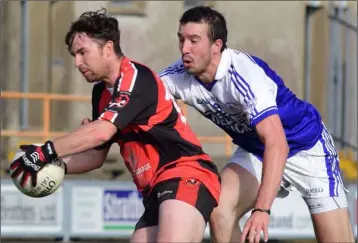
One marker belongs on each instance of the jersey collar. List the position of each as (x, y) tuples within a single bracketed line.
[(224, 65), (124, 66)]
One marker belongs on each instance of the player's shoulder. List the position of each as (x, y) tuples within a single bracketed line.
[(139, 69), (173, 70), (242, 59), (244, 64), (135, 74)]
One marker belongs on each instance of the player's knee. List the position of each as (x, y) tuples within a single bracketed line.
[(222, 214)]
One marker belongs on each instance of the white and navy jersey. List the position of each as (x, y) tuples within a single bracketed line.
[(246, 91)]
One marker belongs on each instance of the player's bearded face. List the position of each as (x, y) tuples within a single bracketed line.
[(93, 68), (195, 47), (88, 57)]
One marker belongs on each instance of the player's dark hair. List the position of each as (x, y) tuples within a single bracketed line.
[(96, 25), (215, 20)]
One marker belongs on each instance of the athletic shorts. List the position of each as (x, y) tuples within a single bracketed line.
[(187, 190), (314, 173)]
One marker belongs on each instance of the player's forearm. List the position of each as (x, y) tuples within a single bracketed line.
[(84, 138), (275, 157), (86, 161)]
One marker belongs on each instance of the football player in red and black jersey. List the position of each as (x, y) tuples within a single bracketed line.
[(179, 183)]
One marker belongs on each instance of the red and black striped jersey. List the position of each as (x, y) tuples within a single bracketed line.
[(152, 134)]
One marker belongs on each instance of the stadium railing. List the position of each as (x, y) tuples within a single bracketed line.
[(47, 132)]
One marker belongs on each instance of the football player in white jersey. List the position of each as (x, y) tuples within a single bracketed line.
[(281, 139)]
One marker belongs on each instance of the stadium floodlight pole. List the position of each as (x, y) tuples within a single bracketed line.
[(24, 82)]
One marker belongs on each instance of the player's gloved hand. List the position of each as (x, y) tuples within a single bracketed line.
[(34, 159)]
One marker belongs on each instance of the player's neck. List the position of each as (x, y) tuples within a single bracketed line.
[(113, 72), (208, 76)]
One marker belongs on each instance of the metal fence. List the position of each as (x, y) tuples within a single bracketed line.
[(342, 85)]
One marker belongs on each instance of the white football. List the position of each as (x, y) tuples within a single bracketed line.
[(48, 179)]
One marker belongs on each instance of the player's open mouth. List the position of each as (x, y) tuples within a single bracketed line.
[(187, 62)]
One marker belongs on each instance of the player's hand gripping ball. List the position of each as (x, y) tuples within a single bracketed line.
[(36, 171)]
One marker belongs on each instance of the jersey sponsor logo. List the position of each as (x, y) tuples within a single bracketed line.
[(235, 108), (249, 106), (206, 101), (230, 119), (133, 163), (142, 169)]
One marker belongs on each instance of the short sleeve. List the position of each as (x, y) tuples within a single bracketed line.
[(96, 100), (258, 91), (133, 95), (169, 78)]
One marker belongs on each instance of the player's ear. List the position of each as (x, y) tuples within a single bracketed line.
[(217, 46), (108, 48)]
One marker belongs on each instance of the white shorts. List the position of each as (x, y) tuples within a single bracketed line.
[(314, 173)]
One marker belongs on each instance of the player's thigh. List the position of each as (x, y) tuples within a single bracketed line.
[(315, 174), (146, 228), (330, 217), (239, 189), (185, 207), (180, 222), (144, 235), (240, 182)]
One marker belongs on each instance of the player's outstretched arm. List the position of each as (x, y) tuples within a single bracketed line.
[(273, 136), (84, 138), (270, 131), (86, 161)]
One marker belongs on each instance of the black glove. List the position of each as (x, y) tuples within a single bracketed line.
[(34, 159)]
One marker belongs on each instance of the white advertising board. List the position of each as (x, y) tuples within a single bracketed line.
[(24, 216), (105, 211)]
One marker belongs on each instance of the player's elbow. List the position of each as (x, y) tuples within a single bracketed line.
[(285, 149), (101, 137), (282, 147), (103, 132), (278, 144), (98, 163)]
